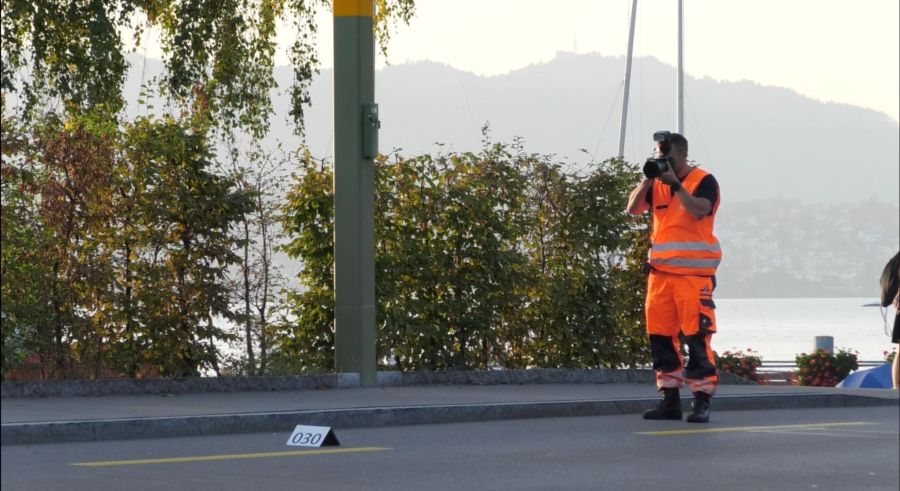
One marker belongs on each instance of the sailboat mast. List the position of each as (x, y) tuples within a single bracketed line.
[(680, 81), (623, 122)]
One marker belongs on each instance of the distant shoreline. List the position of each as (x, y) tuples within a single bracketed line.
[(865, 299)]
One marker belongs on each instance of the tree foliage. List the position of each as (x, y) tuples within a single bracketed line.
[(257, 282), (492, 259), (307, 342), (118, 235), (116, 246), (122, 239), (218, 54)]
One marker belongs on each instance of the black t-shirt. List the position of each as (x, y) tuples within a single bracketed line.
[(708, 188)]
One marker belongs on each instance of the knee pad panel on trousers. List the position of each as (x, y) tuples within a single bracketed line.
[(699, 364), (664, 353)]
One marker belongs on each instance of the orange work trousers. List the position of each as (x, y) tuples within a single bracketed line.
[(681, 307)]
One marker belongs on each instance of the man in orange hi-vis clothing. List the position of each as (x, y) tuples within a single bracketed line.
[(684, 255)]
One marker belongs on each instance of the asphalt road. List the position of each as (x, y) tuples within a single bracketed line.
[(839, 449)]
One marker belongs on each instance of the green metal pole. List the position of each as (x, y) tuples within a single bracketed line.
[(354, 191)]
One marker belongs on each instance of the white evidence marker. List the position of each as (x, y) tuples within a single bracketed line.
[(312, 436)]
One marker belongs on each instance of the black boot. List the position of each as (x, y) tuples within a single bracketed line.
[(699, 408), (668, 408)]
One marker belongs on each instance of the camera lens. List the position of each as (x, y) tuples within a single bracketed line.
[(651, 169), (654, 167)]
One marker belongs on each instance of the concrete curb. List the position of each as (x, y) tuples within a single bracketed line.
[(140, 428), (162, 386), (87, 388)]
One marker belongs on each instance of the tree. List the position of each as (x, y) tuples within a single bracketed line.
[(580, 309), (77, 159), (446, 257), (25, 272), (192, 212), (305, 338), (115, 247), (218, 52), (257, 285), (491, 259)]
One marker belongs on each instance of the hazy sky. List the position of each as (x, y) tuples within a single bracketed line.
[(833, 50)]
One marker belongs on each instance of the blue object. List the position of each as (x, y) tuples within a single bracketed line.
[(873, 378)]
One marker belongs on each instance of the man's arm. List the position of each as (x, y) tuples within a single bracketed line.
[(637, 200), (699, 207)]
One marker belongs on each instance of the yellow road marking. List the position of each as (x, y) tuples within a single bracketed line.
[(753, 428), (208, 458)]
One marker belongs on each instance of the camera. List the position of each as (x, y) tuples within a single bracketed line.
[(655, 166)]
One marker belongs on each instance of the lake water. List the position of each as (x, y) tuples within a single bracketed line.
[(779, 329)]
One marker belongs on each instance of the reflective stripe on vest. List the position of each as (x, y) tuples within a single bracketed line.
[(686, 246), (687, 263)]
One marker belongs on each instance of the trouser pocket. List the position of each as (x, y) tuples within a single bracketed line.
[(707, 317)]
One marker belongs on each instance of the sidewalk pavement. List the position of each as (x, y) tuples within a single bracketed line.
[(67, 419)]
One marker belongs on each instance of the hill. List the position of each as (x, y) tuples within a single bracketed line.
[(810, 188)]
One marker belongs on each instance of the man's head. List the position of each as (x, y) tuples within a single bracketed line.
[(678, 152)]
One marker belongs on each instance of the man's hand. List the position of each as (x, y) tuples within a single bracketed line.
[(668, 177)]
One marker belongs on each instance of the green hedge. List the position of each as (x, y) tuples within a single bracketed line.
[(494, 259)]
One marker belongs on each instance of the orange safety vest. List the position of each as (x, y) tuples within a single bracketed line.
[(682, 244)]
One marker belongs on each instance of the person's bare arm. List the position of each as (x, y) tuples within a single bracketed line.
[(698, 207), (637, 200)]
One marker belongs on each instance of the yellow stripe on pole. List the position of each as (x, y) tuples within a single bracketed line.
[(210, 458), (354, 8)]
